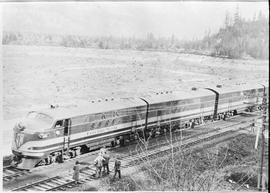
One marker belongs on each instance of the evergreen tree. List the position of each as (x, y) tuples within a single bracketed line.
[(227, 19), (237, 16)]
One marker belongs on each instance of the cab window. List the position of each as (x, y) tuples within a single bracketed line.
[(59, 124)]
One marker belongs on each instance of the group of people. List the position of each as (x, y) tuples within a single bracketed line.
[(225, 115), (102, 165), (193, 122), (102, 161)]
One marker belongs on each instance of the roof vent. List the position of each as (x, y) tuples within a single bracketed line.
[(219, 86), (167, 92), (156, 93), (92, 101), (161, 93), (99, 100), (193, 88), (52, 106), (106, 99), (112, 99)]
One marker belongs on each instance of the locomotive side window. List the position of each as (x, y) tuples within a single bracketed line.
[(107, 123), (133, 118), (93, 126), (103, 116), (115, 114), (59, 124)]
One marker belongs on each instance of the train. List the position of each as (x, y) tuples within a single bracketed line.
[(57, 133)]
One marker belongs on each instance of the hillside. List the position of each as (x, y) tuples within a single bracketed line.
[(237, 39)]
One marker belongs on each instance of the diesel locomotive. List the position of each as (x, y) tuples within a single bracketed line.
[(62, 132)]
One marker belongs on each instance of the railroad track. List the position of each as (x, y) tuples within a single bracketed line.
[(218, 127), (54, 183), (225, 134), (10, 173), (60, 183)]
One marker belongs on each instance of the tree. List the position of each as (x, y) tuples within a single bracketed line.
[(237, 16), (227, 20)]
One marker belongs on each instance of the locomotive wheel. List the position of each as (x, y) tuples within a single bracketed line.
[(72, 154), (122, 141), (84, 149), (113, 143), (132, 137), (153, 133), (157, 133)]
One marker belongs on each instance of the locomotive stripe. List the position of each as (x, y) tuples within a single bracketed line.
[(233, 105), (82, 139), (154, 118), (160, 108)]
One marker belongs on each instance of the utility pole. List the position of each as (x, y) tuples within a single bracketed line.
[(264, 106)]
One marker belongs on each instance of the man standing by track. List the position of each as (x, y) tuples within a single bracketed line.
[(98, 164), (76, 172), (117, 165), (106, 157)]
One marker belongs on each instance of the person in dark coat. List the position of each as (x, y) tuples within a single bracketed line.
[(106, 160), (117, 165)]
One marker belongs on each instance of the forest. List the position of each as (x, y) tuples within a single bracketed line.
[(237, 38)]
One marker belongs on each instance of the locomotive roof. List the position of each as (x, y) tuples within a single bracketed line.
[(84, 108), (177, 95), (237, 88)]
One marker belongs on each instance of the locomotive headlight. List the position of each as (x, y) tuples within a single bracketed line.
[(43, 135)]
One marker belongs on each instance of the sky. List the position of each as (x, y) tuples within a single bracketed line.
[(185, 20)]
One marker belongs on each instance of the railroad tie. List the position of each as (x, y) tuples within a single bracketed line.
[(28, 189), (93, 169), (83, 175), (39, 187), (53, 184), (87, 172), (47, 186), (60, 181)]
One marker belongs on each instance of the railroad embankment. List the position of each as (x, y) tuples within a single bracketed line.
[(231, 165)]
